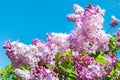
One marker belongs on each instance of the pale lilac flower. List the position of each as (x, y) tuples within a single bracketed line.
[(7, 45), (58, 42), (35, 41), (72, 17), (78, 13), (21, 54), (16, 53), (23, 74), (78, 9), (87, 34), (99, 10), (114, 21)]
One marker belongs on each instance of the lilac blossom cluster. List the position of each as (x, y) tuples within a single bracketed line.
[(87, 68), (58, 42), (21, 54), (114, 21), (111, 61), (36, 73), (88, 36)]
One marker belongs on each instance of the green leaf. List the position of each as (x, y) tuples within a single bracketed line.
[(115, 36), (7, 73), (113, 44), (101, 59), (68, 78), (119, 77), (68, 54), (25, 67), (107, 78), (57, 56), (117, 66), (97, 54)]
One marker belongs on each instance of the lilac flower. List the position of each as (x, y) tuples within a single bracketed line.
[(43, 74), (35, 41), (78, 9), (37, 73), (78, 13), (23, 74), (58, 42), (99, 10), (114, 21), (87, 34), (118, 33), (72, 17), (21, 54), (111, 60), (7, 45), (87, 68), (15, 53)]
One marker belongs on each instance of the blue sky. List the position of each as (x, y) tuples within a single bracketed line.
[(27, 19)]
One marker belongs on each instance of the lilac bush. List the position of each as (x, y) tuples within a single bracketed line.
[(87, 53)]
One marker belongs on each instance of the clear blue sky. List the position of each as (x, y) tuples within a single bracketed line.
[(28, 19)]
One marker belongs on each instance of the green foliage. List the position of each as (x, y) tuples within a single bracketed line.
[(113, 44), (57, 56), (25, 67), (7, 73), (97, 54), (114, 73), (65, 66), (101, 59)]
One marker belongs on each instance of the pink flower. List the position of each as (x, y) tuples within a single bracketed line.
[(114, 21), (35, 41), (118, 33), (111, 60), (87, 68), (7, 45), (43, 74), (87, 34), (78, 13), (58, 42)]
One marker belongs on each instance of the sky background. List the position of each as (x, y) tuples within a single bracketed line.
[(24, 20)]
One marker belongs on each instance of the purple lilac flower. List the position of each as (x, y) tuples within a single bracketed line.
[(118, 33), (87, 68), (114, 21), (111, 61)]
